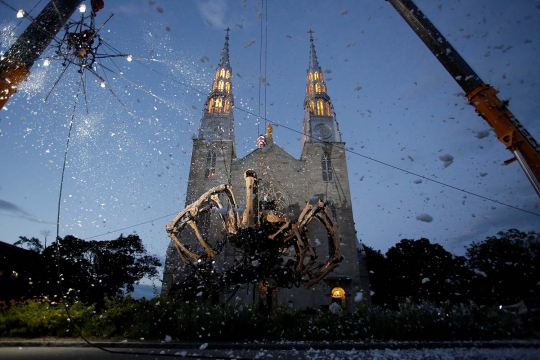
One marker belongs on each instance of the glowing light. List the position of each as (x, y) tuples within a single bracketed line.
[(46, 62), (103, 84), (20, 13), (82, 8), (129, 58)]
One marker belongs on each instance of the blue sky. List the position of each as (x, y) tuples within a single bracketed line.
[(394, 103)]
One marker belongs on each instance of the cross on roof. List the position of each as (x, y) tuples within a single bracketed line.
[(311, 34), (227, 30)]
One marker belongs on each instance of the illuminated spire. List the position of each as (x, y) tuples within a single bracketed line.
[(221, 100), (317, 101), (217, 122), (319, 120)]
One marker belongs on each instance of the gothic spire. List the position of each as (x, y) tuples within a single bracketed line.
[(319, 120), (224, 63), (313, 63), (221, 100), (218, 121)]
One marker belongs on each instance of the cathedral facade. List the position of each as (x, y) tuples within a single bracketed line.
[(320, 173)]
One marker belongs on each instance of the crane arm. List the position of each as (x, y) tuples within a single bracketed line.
[(17, 61), (482, 97)]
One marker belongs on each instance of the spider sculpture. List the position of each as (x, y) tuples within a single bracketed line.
[(261, 240)]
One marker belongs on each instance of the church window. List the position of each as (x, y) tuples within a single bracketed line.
[(218, 105), (318, 88), (227, 106), (322, 80), (310, 76), (227, 86), (326, 164), (311, 107), (315, 75), (222, 72), (320, 107), (210, 170), (323, 88), (217, 74), (328, 109), (214, 86), (210, 105), (228, 75), (203, 223), (221, 84)]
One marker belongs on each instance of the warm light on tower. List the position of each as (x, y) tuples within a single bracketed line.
[(20, 13)]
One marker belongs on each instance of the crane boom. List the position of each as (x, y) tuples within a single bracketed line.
[(16, 63), (482, 96)]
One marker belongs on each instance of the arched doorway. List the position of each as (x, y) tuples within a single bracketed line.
[(338, 296)]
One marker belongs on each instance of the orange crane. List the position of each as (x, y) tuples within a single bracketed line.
[(482, 96), (17, 61)]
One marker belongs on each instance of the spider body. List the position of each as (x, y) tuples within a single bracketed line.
[(259, 236)]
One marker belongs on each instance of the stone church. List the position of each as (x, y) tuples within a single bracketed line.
[(321, 172)]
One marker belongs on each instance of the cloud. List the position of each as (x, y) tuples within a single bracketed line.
[(10, 209), (213, 12)]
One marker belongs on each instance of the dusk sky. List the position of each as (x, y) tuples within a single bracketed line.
[(395, 105)]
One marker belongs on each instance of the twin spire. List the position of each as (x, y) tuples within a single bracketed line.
[(317, 101), (221, 100)]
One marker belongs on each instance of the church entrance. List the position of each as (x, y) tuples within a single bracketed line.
[(338, 296)]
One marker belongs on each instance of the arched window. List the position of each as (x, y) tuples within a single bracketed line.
[(315, 75), (214, 86), (328, 113), (326, 165), (322, 80), (221, 85), (222, 72), (311, 107), (323, 88), (210, 169), (318, 88), (218, 105), (210, 105), (310, 89), (228, 86), (310, 76), (227, 106), (217, 74), (228, 75), (320, 107)]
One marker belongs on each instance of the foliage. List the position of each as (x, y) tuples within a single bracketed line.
[(418, 270), (507, 267), (93, 269), (160, 317), (41, 317), (33, 244)]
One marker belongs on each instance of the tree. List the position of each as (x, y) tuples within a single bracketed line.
[(423, 271), (507, 267), (93, 269), (33, 244), (377, 267)]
